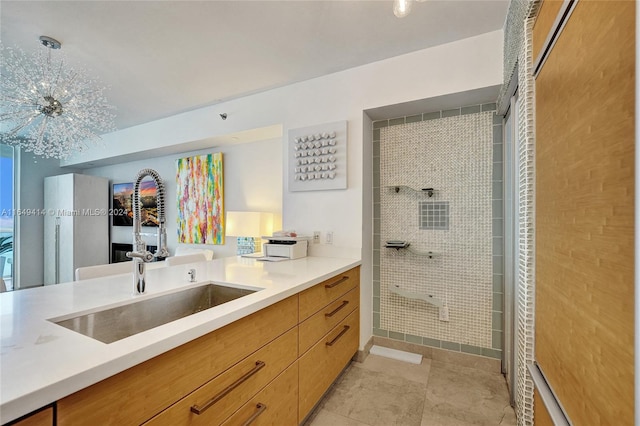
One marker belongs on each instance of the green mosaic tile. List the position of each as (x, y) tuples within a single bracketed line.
[(497, 230), (488, 107), (497, 322), (396, 336), (497, 119), (492, 353), (376, 304), (473, 109), (427, 341), (496, 339), (497, 153), (498, 264), (498, 246), (376, 226), (376, 290), (380, 124), (376, 319), (413, 339), (379, 332), (376, 148), (498, 302), (452, 346), (450, 112), (496, 191), (376, 135), (396, 121), (498, 171), (497, 134), (431, 115), (498, 283), (497, 209), (413, 118), (475, 350)]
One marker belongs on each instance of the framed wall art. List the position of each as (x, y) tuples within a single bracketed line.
[(199, 190), (318, 157)]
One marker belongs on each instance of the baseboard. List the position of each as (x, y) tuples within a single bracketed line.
[(361, 355), (479, 362)]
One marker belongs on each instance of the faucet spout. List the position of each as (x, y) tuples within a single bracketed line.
[(140, 255)]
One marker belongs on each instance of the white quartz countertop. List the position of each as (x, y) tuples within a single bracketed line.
[(41, 362)]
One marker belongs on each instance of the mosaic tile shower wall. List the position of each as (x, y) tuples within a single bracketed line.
[(458, 153)]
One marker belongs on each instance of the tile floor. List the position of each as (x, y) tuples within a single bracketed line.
[(385, 392)]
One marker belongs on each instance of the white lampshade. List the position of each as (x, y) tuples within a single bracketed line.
[(249, 224)]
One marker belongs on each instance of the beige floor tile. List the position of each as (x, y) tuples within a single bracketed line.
[(376, 398), (466, 394), (414, 372), (386, 392), (327, 418), (434, 419), (509, 417)]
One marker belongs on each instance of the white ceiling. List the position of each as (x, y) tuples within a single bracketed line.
[(160, 58)]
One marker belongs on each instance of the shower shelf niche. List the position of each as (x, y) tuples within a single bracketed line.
[(428, 191), (407, 246)]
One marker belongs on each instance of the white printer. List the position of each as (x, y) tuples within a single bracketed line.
[(285, 247)]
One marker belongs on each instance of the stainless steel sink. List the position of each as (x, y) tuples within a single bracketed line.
[(113, 324)]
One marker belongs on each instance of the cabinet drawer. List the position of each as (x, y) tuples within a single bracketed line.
[(234, 387), (277, 404), (320, 366), (321, 322), (319, 296), (44, 417), (141, 392)]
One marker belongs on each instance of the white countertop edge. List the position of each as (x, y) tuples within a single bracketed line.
[(38, 398)]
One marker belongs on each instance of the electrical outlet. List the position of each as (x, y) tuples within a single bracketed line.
[(444, 314), (316, 237), (329, 238)]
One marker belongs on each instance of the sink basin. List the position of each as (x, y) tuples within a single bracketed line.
[(110, 325)]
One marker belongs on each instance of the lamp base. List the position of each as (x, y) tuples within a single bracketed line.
[(248, 245)]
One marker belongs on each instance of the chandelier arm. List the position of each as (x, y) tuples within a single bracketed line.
[(19, 127)]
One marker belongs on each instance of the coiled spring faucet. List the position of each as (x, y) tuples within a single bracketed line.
[(140, 255)]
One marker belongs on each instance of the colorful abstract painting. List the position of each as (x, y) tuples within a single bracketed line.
[(200, 199)]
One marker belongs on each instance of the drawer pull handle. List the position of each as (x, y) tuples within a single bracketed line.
[(335, 283), (261, 407), (335, 339), (335, 311), (199, 410)]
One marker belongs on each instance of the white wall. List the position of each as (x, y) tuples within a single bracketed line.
[(252, 182), (455, 67)]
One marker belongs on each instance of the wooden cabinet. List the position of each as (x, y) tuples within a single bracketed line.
[(329, 335), (277, 404), (141, 392), (42, 417), (322, 364), (218, 399), (319, 296), (270, 368)]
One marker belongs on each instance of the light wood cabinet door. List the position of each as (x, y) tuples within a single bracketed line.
[(141, 392), (44, 417), (319, 324), (319, 296), (322, 364), (218, 399), (277, 404), (584, 224)]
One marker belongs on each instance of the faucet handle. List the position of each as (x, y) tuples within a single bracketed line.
[(192, 275), (145, 257)]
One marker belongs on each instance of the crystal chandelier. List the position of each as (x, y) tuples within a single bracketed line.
[(47, 108)]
